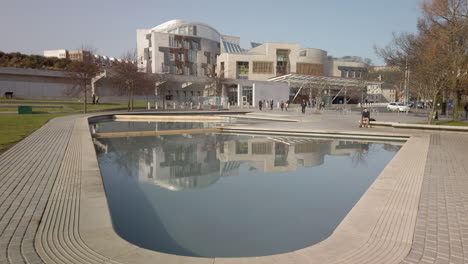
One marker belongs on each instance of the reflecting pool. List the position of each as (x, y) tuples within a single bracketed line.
[(226, 195)]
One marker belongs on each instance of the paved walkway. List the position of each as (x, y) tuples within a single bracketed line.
[(441, 233), (42, 202), (28, 172)]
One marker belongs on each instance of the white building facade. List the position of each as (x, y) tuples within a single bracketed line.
[(268, 60), (179, 47)]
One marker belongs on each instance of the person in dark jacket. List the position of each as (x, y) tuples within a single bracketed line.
[(303, 105), (466, 111), (365, 118), (260, 104)]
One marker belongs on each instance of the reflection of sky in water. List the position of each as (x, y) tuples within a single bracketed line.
[(124, 126), (130, 126), (220, 195)]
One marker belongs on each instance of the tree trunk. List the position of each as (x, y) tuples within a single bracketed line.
[(128, 102), (85, 98), (432, 110), (456, 105), (131, 100)]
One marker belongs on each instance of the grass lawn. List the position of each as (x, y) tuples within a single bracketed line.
[(14, 128), (72, 107), (450, 123), (447, 123), (103, 106)]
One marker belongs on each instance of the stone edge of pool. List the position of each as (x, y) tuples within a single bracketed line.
[(380, 225)]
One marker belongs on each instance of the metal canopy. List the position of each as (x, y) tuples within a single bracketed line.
[(301, 80)]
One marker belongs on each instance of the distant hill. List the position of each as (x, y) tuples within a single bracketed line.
[(18, 60)]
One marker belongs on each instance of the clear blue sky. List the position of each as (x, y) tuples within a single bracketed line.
[(338, 26)]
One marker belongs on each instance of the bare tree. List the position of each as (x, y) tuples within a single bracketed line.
[(436, 56), (80, 72), (430, 70), (446, 21), (129, 79), (215, 85)]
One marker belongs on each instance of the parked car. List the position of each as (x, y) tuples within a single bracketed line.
[(403, 107), (392, 107), (400, 107)]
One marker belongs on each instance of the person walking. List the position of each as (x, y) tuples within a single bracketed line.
[(286, 105), (322, 105), (303, 105), (466, 111), (271, 104), (282, 106), (260, 104)]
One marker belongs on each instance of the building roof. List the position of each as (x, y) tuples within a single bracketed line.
[(171, 24), (230, 47), (308, 79)]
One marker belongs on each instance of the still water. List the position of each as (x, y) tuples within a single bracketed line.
[(225, 195)]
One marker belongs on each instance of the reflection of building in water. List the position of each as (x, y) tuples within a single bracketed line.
[(182, 162), (193, 161), (277, 154)]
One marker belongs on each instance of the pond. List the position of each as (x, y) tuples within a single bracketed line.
[(227, 195)]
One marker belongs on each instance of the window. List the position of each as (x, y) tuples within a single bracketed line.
[(172, 42), (171, 56), (243, 67), (192, 55), (195, 45), (262, 67), (242, 147), (194, 69), (303, 53), (262, 148), (247, 91), (232, 95), (309, 68), (282, 55), (186, 44)]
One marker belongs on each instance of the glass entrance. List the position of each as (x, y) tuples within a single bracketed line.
[(232, 94), (247, 91)]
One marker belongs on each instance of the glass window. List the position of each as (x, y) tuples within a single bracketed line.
[(262, 148), (309, 68), (172, 42), (242, 147), (262, 67), (186, 44), (194, 69), (247, 91), (232, 95)]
